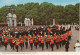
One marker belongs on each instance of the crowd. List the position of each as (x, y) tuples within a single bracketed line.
[(36, 36)]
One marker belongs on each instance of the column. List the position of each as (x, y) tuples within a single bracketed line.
[(32, 22), (53, 21)]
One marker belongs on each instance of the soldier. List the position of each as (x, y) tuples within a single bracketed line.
[(68, 35), (39, 41), (23, 41), (52, 43), (42, 43), (5, 43), (36, 42), (13, 43), (60, 42), (31, 43), (10, 42), (57, 44), (63, 40), (46, 41), (17, 45), (26, 42), (21, 44)]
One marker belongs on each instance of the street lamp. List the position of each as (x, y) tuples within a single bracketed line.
[(11, 9)]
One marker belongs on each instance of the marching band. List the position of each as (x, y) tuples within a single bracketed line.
[(39, 38)]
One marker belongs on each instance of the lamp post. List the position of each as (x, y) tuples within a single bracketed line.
[(11, 9)]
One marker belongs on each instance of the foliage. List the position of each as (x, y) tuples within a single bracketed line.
[(44, 13)]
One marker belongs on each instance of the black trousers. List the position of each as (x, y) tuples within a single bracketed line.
[(21, 45), (31, 45), (52, 45), (42, 45), (39, 43), (60, 43), (13, 45), (26, 43), (17, 48), (36, 45), (66, 49), (47, 45), (63, 42), (5, 44), (57, 46)]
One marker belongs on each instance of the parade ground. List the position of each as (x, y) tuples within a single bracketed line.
[(75, 37)]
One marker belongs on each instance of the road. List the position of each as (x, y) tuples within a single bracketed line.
[(75, 37)]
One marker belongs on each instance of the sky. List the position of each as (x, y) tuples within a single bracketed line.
[(55, 2)]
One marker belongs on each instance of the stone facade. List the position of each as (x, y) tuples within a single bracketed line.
[(11, 20)]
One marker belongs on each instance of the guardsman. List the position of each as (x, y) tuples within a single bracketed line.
[(39, 41), (13, 43), (5, 43), (42, 43), (26, 42), (31, 43), (21, 43), (46, 41), (10, 42), (17, 44), (68, 35), (63, 40), (36, 42), (52, 43), (57, 44), (60, 42)]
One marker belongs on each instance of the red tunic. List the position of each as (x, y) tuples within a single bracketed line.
[(36, 41), (5, 41), (21, 41), (26, 40), (42, 41), (31, 40), (52, 42)]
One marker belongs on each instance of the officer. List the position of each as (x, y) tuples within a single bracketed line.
[(67, 45)]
